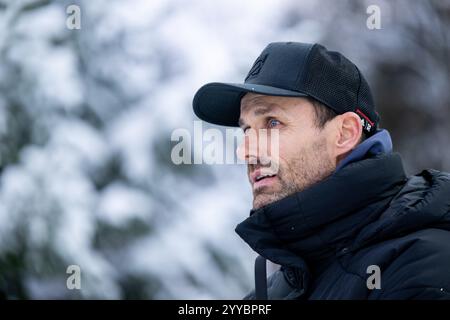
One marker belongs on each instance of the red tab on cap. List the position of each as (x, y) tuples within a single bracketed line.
[(364, 116)]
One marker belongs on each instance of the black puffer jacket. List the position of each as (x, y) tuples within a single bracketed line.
[(368, 213)]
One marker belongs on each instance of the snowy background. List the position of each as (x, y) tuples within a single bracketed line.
[(86, 118)]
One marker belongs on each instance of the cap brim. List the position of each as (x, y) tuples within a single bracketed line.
[(220, 103)]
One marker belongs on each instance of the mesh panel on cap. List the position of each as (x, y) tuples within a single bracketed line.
[(365, 101), (336, 82), (331, 79)]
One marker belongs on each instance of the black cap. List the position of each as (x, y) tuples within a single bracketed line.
[(292, 69)]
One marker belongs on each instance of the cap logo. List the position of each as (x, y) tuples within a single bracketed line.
[(254, 71), (365, 121)]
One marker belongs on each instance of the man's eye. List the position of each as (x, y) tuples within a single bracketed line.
[(273, 123)]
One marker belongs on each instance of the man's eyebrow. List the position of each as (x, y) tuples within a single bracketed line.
[(260, 110)]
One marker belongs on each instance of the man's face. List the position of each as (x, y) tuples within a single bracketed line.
[(304, 155)]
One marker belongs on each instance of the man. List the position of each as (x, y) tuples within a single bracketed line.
[(339, 215)]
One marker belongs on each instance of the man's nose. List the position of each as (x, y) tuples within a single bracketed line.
[(248, 149)]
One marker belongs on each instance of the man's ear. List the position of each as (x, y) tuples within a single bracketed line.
[(349, 132)]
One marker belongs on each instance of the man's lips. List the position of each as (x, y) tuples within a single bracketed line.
[(259, 178), (264, 182)]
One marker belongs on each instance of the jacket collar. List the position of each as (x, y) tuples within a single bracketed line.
[(320, 221), (380, 142)]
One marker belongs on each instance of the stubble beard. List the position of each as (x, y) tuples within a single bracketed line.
[(312, 165)]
